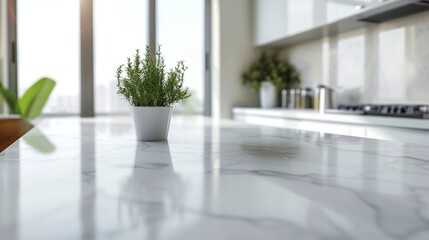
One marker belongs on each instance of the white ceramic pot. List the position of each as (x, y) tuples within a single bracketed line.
[(151, 123), (268, 95)]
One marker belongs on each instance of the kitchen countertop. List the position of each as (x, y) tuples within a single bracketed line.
[(311, 115), (76, 178)]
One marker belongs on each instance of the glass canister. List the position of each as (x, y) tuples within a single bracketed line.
[(297, 97), (291, 103), (285, 98), (306, 98)]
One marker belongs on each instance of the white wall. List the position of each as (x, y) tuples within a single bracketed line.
[(382, 63), (233, 52), (307, 58)]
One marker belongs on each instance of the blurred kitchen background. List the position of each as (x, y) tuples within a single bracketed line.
[(372, 55)]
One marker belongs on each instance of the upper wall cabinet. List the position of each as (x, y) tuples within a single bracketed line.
[(284, 22), (269, 20), (275, 19)]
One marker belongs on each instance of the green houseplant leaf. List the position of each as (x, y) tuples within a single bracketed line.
[(10, 98), (271, 68), (34, 99)]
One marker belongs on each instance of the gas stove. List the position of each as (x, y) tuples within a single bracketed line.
[(406, 111)]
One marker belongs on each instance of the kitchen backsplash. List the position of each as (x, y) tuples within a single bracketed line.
[(383, 63)]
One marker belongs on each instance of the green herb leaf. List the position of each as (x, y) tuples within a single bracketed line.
[(145, 82)]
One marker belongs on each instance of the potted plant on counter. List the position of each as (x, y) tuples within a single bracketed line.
[(270, 75), (151, 91)]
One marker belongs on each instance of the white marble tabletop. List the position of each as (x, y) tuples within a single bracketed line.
[(85, 179)]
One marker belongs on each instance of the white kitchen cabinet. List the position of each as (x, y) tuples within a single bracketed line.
[(275, 19), (283, 22), (269, 20), (300, 15)]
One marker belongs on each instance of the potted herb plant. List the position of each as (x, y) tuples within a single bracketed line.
[(151, 91), (270, 75)]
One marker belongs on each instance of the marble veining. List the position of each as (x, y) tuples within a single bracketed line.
[(76, 178)]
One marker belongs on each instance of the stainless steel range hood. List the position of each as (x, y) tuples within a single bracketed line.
[(397, 9)]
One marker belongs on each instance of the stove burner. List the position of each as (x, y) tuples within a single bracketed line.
[(407, 111)]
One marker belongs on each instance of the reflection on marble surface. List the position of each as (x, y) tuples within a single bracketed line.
[(211, 180), (39, 141)]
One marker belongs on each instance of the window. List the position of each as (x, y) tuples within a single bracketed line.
[(180, 32), (120, 27), (48, 46), (48, 34)]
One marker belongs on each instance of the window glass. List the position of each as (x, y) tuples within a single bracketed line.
[(120, 27), (48, 46), (180, 32)]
